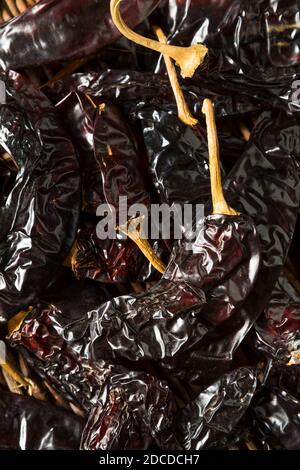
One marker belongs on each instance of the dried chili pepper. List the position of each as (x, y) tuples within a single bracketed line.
[(266, 183), (78, 112), (275, 410), (208, 420), (127, 408), (155, 328), (252, 47), (29, 424), (66, 30), (109, 157), (40, 215), (144, 87), (105, 260), (179, 168), (278, 328)]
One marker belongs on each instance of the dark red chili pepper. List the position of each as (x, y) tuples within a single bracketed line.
[(105, 260), (109, 159), (78, 112), (278, 328), (40, 215), (140, 87), (276, 408), (253, 46), (30, 424), (157, 328), (116, 150), (266, 183), (55, 31), (213, 414), (127, 407), (179, 167), (133, 408)]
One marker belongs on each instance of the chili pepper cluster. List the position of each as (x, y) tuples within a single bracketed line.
[(131, 343)]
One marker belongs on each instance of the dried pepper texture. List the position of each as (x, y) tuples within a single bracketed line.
[(39, 216), (67, 30)]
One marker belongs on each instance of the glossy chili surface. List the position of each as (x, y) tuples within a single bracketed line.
[(66, 30)]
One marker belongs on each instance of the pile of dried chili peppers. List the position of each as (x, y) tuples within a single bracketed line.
[(172, 340)]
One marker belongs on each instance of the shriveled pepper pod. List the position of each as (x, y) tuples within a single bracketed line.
[(40, 216), (66, 30)]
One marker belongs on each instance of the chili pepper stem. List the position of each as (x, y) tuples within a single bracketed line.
[(220, 205), (67, 70), (187, 58), (15, 322), (133, 230), (21, 381), (183, 110)]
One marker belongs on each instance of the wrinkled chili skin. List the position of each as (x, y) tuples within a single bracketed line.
[(144, 87), (275, 410), (133, 408), (179, 168), (116, 150), (203, 279), (208, 421), (246, 51), (102, 260), (55, 31), (117, 421), (126, 408), (39, 218), (110, 162), (277, 330), (30, 424), (77, 113), (200, 290), (265, 185)]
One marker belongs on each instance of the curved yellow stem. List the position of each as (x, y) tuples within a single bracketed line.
[(220, 205), (17, 377), (133, 230), (14, 324), (187, 58), (184, 113)]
